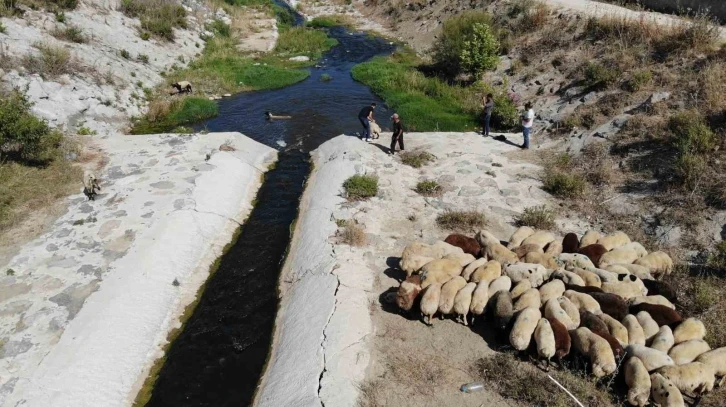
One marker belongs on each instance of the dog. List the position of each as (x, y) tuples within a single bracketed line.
[(271, 116), (375, 130), (90, 186), (182, 87)]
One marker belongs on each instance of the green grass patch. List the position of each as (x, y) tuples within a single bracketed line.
[(360, 187), (166, 118), (303, 41), (429, 188), (416, 159), (158, 17), (538, 217), (461, 220), (329, 21), (563, 184)]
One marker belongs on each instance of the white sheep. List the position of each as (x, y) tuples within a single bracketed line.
[(591, 279), (636, 336), (540, 238), (553, 310), (606, 276), (637, 247), (571, 309), (663, 340), (570, 260), (590, 237), (638, 381), (462, 301), (614, 240), (501, 283), (641, 272), (520, 288), (479, 299), (535, 273), (464, 259), (651, 299), (523, 328), (652, 359), (553, 289), (519, 235), (448, 293), (430, 302), (692, 378), (568, 277), (491, 270), (597, 349), (650, 327), (471, 268), (624, 289), (548, 261), (493, 250), (664, 392), (658, 263), (554, 248), (544, 337), (584, 302), (688, 351), (616, 329), (417, 254), (530, 298), (619, 255), (716, 359), (690, 328), (439, 271)]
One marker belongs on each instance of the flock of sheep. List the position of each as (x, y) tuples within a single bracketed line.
[(598, 294)]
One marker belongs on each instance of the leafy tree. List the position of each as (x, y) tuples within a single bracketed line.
[(481, 49), (24, 137)]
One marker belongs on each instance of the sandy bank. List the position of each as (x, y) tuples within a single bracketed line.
[(92, 301)]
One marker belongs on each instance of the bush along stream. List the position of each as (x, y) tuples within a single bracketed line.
[(218, 357)]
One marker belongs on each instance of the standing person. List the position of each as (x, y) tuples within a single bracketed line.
[(397, 133), (365, 116), (488, 109), (527, 121)]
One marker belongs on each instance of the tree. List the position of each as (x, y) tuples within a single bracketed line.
[(24, 137), (481, 50)]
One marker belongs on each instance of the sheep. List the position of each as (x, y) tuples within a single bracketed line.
[(585, 289), (598, 327), (636, 336), (520, 288), (591, 279), (407, 292), (597, 349), (544, 337), (614, 240), (540, 238), (501, 309), (491, 270), (663, 340), (182, 87), (715, 359), (465, 243), (493, 250), (688, 351), (501, 283), (530, 298), (605, 275), (664, 392), (554, 248), (546, 260), (448, 293), (519, 235), (658, 263), (568, 277), (523, 328), (636, 247), (464, 259), (462, 301), (661, 288), (616, 329), (375, 130), (484, 235), (523, 250), (553, 310), (552, 289), (562, 338), (570, 260), (571, 243), (617, 256), (652, 359), (430, 302), (584, 302), (638, 381), (535, 273), (479, 299), (650, 327), (590, 237), (625, 290), (651, 299), (90, 186), (641, 272), (611, 304), (661, 314), (594, 252), (439, 271), (692, 378), (471, 267), (417, 254), (690, 328), (571, 309)]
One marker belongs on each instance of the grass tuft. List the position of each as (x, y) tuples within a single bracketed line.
[(538, 217), (70, 33), (50, 62), (416, 159), (158, 17), (429, 188), (352, 234), (359, 187), (461, 220)]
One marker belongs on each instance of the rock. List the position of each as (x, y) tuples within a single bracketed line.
[(669, 235), (227, 95), (658, 97), (300, 58)]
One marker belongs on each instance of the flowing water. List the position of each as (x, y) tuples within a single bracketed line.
[(218, 358)]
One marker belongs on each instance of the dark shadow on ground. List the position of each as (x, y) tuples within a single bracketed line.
[(396, 274), (503, 139)]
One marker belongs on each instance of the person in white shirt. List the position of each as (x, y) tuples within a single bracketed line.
[(527, 121)]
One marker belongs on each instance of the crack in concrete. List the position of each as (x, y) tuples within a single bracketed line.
[(322, 343)]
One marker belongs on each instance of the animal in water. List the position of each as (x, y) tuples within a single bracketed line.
[(182, 87), (271, 116), (90, 186)]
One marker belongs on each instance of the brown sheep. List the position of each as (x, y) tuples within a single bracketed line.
[(467, 244), (408, 292), (570, 244), (583, 288), (661, 314), (598, 327), (611, 304), (593, 252), (656, 287), (563, 342)]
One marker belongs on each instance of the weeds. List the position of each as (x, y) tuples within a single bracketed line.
[(50, 62), (158, 17), (416, 159), (598, 75), (563, 184), (359, 187), (329, 21), (23, 137), (461, 220), (71, 34), (165, 116), (538, 217), (429, 188), (352, 234)]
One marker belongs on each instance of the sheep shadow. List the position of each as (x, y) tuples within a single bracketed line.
[(396, 274), (392, 308)]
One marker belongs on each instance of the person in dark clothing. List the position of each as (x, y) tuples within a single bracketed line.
[(397, 133), (488, 109), (365, 116)]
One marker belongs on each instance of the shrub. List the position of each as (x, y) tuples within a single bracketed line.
[(329, 21), (563, 184), (717, 258), (220, 28), (70, 33), (85, 131), (60, 17), (452, 41), (360, 187), (124, 54), (285, 18), (481, 50), (143, 58), (3, 30), (165, 116), (158, 17), (638, 79), (461, 220), (416, 159), (690, 168), (599, 75), (24, 137), (51, 62), (538, 217), (145, 35), (428, 188), (353, 234), (691, 134)]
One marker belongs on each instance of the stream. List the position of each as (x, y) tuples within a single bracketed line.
[(218, 358)]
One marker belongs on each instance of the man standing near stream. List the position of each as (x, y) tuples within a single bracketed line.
[(365, 116), (397, 136)]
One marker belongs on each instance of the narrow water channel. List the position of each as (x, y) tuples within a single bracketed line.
[(218, 358)]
